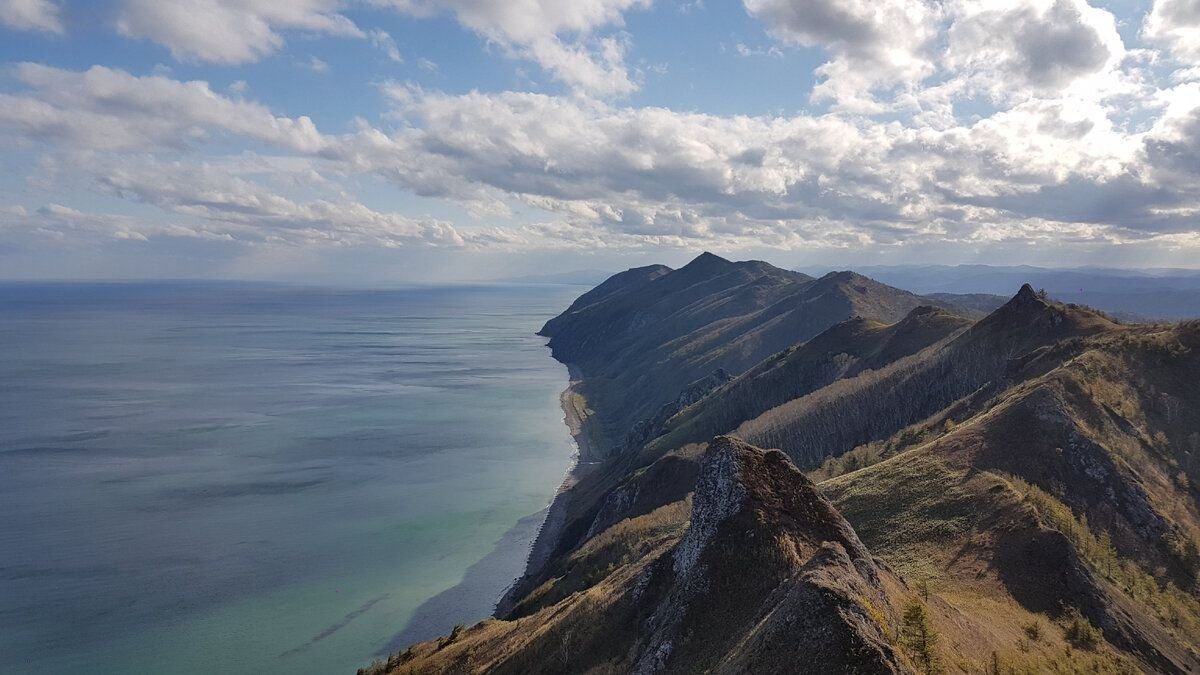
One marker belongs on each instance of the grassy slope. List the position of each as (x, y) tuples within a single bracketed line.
[(1054, 461)]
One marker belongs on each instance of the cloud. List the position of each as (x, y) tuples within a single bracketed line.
[(103, 108), (229, 31), (32, 15), (250, 211), (576, 172), (873, 44), (317, 65), (384, 43), (1031, 46), (745, 51), (1175, 24), (661, 175), (559, 35)]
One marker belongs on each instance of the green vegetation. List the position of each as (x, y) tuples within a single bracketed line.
[(1080, 632), (1177, 609), (920, 639)]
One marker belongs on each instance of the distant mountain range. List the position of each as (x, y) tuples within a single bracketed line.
[(1134, 294), (956, 485)]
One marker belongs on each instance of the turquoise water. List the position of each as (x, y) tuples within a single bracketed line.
[(239, 478)]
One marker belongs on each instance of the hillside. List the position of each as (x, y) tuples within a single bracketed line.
[(1074, 491), (643, 336), (990, 355), (844, 350), (1025, 487), (815, 595)]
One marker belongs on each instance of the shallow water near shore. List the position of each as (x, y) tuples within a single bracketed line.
[(201, 478)]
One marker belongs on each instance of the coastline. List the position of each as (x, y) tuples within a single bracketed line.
[(576, 416)]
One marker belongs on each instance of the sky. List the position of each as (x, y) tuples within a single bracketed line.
[(396, 141)]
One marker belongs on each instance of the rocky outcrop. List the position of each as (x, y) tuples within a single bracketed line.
[(769, 578)]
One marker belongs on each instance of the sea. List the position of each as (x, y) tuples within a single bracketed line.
[(252, 478)]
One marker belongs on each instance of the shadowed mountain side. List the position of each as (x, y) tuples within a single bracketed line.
[(845, 350), (639, 345), (872, 406)]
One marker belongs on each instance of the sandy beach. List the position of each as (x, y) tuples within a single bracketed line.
[(576, 415)]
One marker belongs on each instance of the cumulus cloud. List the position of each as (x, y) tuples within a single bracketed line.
[(229, 31), (872, 43), (103, 108), (1175, 24), (34, 15), (659, 173), (648, 175), (559, 35), (1031, 46)]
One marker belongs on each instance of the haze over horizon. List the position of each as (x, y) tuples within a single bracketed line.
[(371, 141)]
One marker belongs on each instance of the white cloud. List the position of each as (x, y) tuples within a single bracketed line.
[(746, 51), (1052, 167), (559, 35), (873, 44), (384, 42), (1175, 24), (229, 31), (34, 15), (103, 108), (247, 210), (1031, 47), (317, 66)]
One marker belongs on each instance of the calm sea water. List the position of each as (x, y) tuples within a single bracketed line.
[(225, 478)]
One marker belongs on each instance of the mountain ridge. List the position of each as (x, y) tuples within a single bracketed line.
[(1023, 484)]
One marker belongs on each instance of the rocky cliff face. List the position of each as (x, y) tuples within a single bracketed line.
[(764, 558)]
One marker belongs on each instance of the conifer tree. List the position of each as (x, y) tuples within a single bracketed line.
[(920, 639)]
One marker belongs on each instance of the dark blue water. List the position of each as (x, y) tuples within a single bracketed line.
[(231, 478)]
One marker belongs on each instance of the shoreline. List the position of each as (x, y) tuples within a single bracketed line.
[(575, 416)]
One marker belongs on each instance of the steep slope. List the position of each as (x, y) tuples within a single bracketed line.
[(616, 285), (638, 348), (767, 578), (982, 360), (845, 350), (1072, 492)]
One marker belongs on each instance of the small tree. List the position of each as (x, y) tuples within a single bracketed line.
[(919, 638), (1080, 632)]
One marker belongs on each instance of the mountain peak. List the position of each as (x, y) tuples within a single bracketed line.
[(1026, 293), (706, 261), (840, 275), (766, 490), (762, 533)]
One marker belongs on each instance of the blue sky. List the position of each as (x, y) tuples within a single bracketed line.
[(386, 141)]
